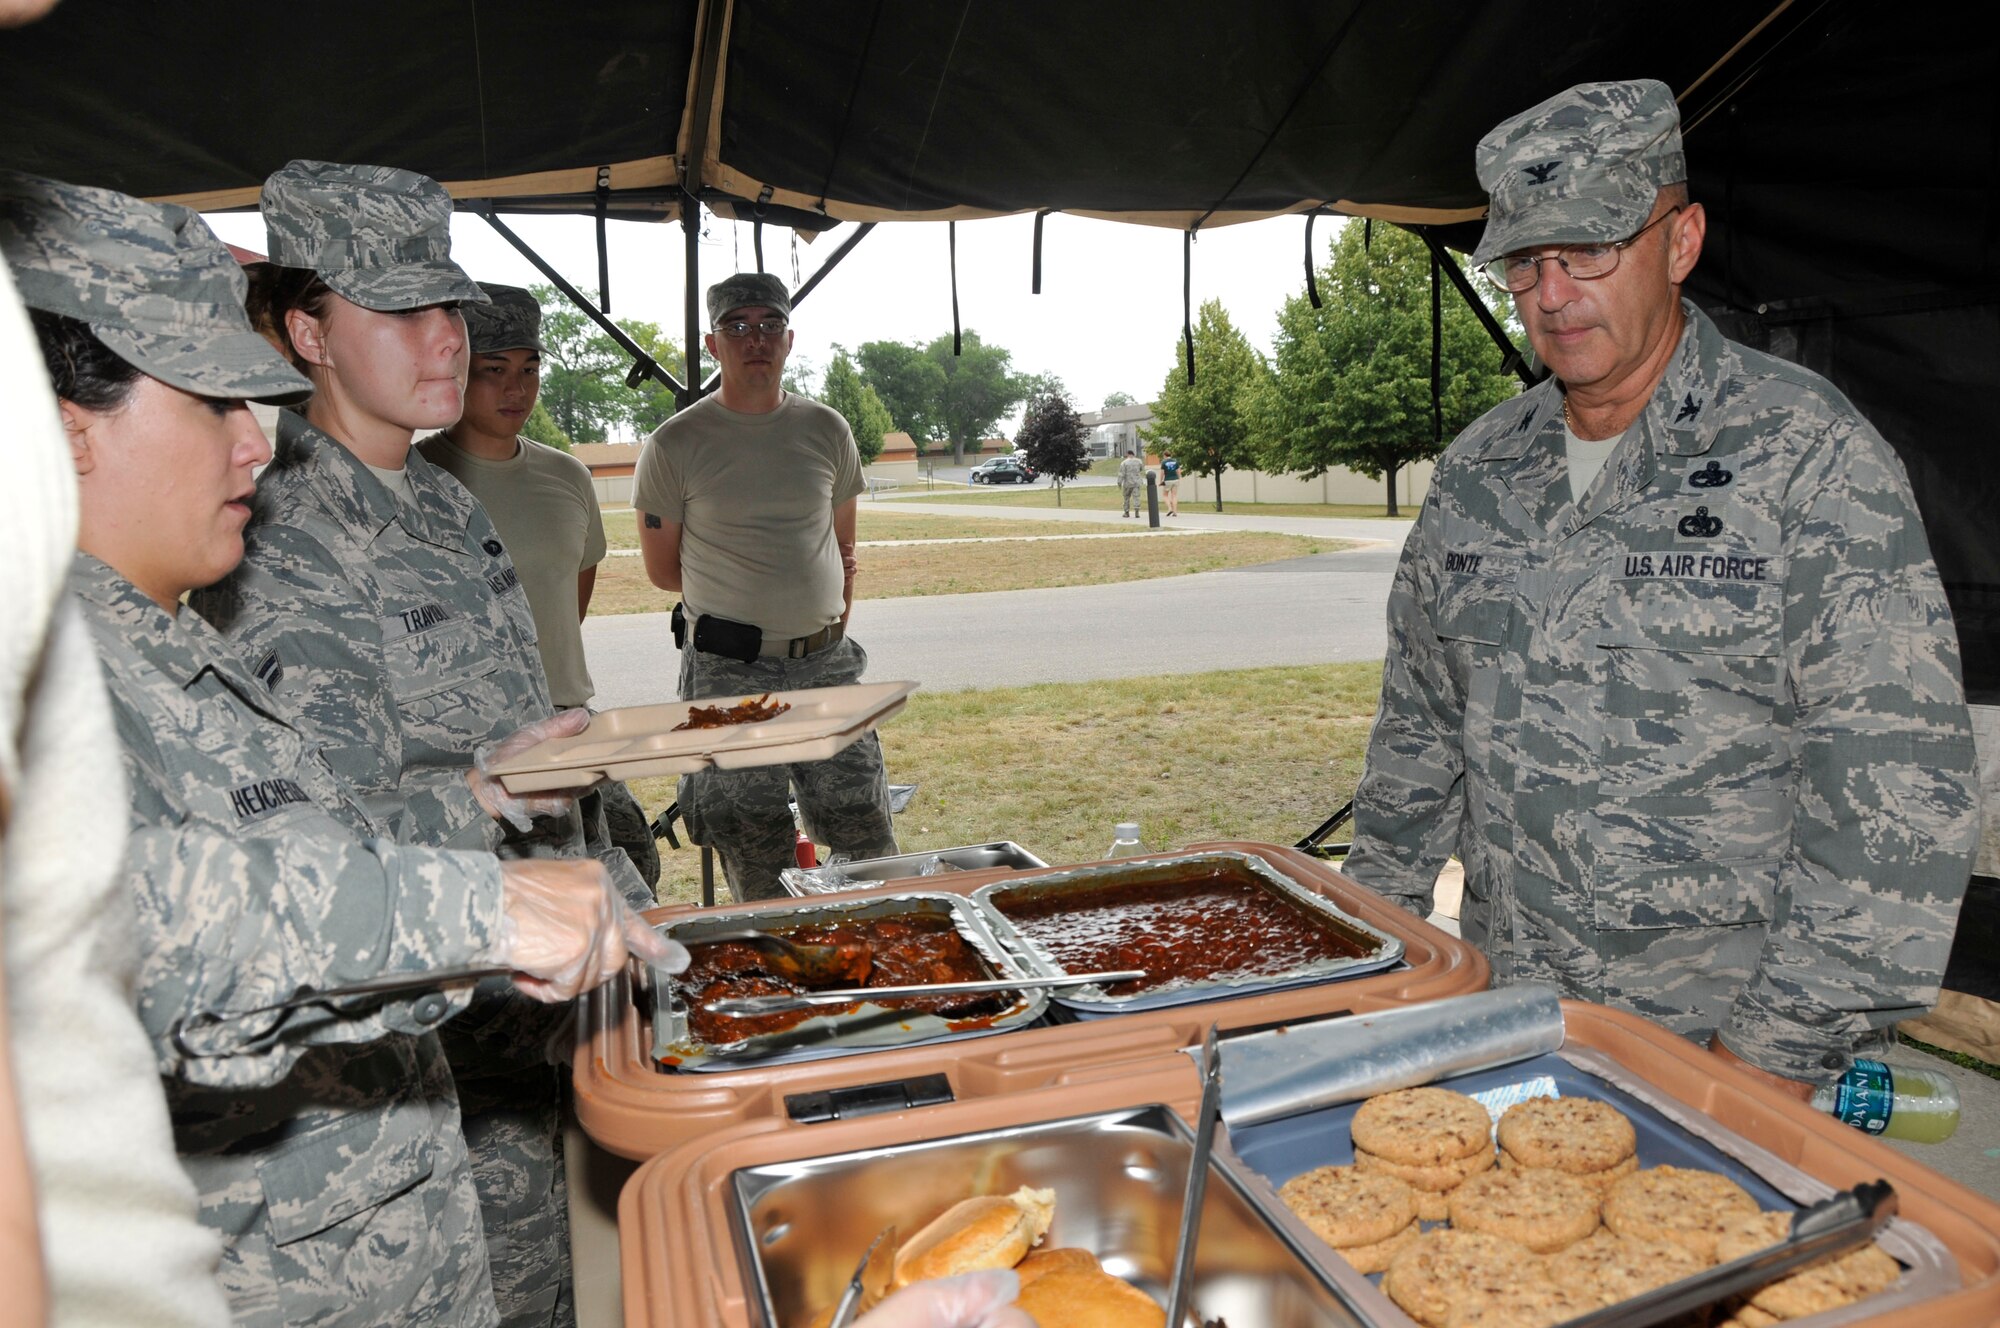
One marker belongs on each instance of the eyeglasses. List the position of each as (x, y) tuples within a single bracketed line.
[(769, 327), (1518, 273)]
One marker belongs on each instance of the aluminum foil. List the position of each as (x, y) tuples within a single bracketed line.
[(869, 1027), (1285, 1071), (1092, 1002)]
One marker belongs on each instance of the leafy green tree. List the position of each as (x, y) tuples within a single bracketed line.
[(858, 404), (980, 387), (584, 373), (909, 384), (944, 398), (1053, 435), (1208, 423), (1117, 399), (1352, 385), (543, 429)]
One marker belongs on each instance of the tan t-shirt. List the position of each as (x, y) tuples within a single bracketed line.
[(754, 496), (542, 504)]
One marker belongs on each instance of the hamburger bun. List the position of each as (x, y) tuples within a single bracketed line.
[(977, 1234), (1087, 1298), (1043, 1262)]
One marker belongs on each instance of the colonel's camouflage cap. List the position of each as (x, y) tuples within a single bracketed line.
[(513, 321), (378, 236), (744, 290), (1585, 165), (151, 281)]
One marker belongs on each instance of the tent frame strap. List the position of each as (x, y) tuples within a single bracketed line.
[(1512, 359), (644, 366)]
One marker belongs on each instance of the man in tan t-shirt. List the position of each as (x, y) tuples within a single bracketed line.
[(545, 510), (747, 508)]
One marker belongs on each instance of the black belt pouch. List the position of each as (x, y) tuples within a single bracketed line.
[(731, 640)]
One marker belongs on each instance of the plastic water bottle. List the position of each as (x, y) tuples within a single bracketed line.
[(1125, 840), (1897, 1100)]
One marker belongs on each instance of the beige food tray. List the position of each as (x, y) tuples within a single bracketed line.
[(637, 741)]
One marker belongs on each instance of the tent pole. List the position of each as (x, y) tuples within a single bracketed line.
[(691, 232), (1511, 358), (643, 364)]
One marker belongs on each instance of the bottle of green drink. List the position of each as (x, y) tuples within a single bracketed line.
[(1900, 1101)]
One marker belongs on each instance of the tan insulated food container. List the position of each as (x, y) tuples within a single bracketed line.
[(635, 1110), (711, 1230)]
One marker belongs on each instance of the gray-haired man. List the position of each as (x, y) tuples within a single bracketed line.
[(1670, 665), (747, 504)]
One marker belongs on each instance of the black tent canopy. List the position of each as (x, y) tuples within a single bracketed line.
[(1846, 154)]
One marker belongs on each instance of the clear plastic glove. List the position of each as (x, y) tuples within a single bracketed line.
[(566, 930), (520, 809), (972, 1300)]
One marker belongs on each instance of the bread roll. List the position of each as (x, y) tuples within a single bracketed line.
[(977, 1234), (1088, 1298), (1043, 1262)]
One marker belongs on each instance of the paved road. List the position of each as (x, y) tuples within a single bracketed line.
[(1322, 609)]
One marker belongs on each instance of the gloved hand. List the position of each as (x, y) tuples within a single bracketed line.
[(520, 809), (971, 1300), (566, 930)]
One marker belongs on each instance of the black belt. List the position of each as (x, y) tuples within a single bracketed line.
[(801, 646)]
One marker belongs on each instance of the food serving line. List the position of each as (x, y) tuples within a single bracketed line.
[(778, 1150)]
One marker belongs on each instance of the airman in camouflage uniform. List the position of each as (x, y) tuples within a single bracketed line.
[(324, 1143), (748, 506), (398, 630), (1698, 732)]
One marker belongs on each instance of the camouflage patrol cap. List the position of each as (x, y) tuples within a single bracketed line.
[(746, 289), (378, 236), (513, 321), (149, 279), (1584, 165)]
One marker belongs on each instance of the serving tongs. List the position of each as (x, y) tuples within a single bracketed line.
[(187, 1029), (1178, 1303), (870, 1282), (1831, 1226), (742, 1007)]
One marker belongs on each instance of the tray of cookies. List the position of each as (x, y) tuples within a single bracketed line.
[(1555, 1186), (1203, 926)]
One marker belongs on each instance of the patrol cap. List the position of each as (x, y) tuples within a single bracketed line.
[(1585, 165), (151, 281), (378, 236), (745, 289), (513, 321)]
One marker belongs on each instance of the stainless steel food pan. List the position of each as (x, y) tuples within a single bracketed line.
[(1118, 1178), (1378, 949), (848, 875), (866, 1028)]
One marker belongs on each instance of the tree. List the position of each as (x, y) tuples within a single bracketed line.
[(940, 397), (1352, 385), (1208, 422), (858, 404), (543, 429), (1053, 435), (907, 382), (584, 372), (1117, 399)]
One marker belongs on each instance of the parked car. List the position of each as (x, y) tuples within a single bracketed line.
[(1003, 470)]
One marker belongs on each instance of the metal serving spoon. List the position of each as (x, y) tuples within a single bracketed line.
[(810, 964), (743, 1006)]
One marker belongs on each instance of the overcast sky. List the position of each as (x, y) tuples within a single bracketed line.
[(1108, 318)]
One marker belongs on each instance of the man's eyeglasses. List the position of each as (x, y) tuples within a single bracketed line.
[(769, 327), (1518, 273)]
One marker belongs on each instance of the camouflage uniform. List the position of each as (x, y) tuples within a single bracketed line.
[(1131, 475), (325, 1143), (1706, 730), (1701, 737), (399, 634), (746, 814)]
